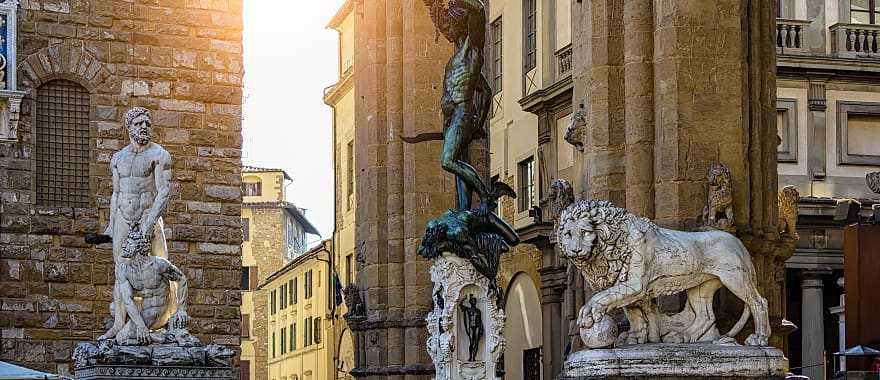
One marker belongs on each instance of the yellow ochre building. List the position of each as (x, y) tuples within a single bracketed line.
[(274, 233)]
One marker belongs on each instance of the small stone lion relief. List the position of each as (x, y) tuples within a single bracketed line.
[(629, 261), (574, 135), (788, 211), (718, 212)]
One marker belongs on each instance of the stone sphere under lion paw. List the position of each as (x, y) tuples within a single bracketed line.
[(602, 334)]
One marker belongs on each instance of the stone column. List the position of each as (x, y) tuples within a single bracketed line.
[(398, 73), (639, 90), (553, 286), (812, 325)]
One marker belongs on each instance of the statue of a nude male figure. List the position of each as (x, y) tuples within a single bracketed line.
[(151, 278), (141, 188)]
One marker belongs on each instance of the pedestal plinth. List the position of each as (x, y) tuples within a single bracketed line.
[(673, 361), (455, 282), (107, 372)]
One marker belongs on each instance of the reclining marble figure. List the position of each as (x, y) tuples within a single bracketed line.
[(629, 261)]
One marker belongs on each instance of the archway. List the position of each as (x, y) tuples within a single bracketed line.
[(523, 330)]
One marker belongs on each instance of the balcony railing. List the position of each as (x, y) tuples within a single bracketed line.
[(855, 40), (563, 61), (790, 36)]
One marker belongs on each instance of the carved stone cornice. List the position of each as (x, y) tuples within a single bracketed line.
[(102, 372)]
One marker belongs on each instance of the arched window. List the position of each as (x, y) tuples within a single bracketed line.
[(62, 144)]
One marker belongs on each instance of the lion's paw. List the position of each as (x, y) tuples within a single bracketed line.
[(757, 340)]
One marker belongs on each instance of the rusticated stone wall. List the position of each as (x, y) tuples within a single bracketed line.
[(182, 59)]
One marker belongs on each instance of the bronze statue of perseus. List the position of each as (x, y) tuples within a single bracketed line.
[(466, 93), (473, 233)]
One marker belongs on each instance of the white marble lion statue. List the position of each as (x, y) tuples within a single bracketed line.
[(629, 261)]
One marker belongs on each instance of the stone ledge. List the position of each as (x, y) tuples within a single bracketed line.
[(673, 361), (100, 372)]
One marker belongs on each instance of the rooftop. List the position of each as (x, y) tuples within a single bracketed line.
[(256, 169), (291, 209), (312, 253)]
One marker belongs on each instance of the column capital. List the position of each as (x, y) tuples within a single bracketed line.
[(813, 278)]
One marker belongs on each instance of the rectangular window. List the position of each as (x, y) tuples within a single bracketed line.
[(864, 11), (283, 340), (273, 344), (290, 298), (292, 337), (245, 325), (245, 278), (317, 327), (252, 189), (530, 35), (308, 285), (526, 179), (295, 290), (307, 332), (283, 294), (349, 170), (497, 55), (497, 210), (349, 270), (245, 229), (272, 302), (62, 145)]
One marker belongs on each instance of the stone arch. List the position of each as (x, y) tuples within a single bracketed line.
[(70, 62), (524, 327)]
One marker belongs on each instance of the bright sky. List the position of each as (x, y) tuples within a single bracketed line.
[(289, 57)]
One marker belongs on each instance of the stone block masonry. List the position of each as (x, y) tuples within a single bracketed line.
[(182, 59)]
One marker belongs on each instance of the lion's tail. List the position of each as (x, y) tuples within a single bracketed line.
[(741, 323)]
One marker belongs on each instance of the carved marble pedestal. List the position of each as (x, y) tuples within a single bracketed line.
[(102, 372), (455, 280), (672, 361)]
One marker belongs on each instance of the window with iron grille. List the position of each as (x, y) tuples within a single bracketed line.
[(530, 35), (497, 55), (526, 184), (62, 144)]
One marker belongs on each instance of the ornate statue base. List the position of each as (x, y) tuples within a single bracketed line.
[(108, 360), (107, 372), (670, 361), (450, 325)]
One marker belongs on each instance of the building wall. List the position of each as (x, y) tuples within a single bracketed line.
[(272, 185), (305, 362), (341, 98), (183, 61), (266, 251)]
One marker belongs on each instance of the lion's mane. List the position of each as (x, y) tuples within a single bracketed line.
[(607, 262)]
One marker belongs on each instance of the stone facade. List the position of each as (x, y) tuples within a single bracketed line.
[(182, 60)]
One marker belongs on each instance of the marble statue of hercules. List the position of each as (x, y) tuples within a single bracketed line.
[(141, 187)]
